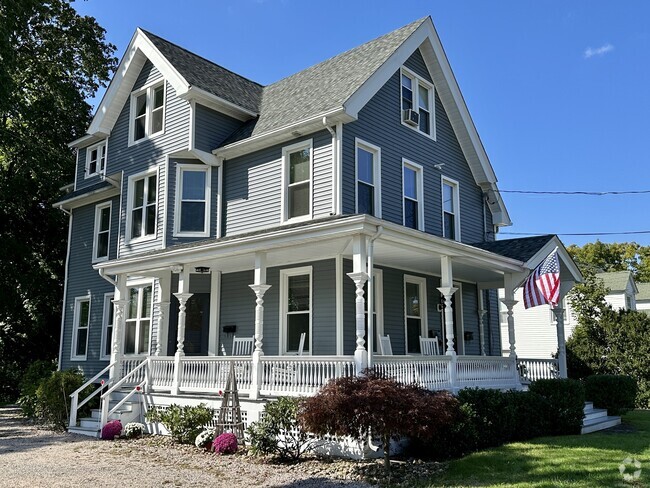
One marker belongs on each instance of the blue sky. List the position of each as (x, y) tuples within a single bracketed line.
[(559, 90)]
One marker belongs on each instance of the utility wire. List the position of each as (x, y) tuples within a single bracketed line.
[(631, 232), (592, 193)]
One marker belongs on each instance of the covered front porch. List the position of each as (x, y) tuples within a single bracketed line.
[(313, 280)]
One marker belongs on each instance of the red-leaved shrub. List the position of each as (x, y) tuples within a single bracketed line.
[(360, 405), (225, 443), (111, 430)]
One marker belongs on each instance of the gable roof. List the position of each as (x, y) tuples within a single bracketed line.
[(644, 291), (617, 281), (521, 249)]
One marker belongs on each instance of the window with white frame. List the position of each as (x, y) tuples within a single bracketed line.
[(147, 112), (96, 159), (297, 162), (417, 95), (138, 320), (80, 328), (102, 235), (368, 166), (192, 216), (296, 308), (412, 195), (415, 312), (450, 209), (107, 326), (142, 205)]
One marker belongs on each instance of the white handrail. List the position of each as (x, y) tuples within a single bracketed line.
[(137, 389), (74, 404), (106, 397)]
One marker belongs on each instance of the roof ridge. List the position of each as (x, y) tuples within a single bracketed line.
[(410, 24), (199, 56)]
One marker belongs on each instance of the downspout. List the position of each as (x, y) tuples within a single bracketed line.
[(371, 296), (103, 275), (335, 166)]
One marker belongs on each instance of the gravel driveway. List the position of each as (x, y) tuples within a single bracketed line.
[(35, 457)]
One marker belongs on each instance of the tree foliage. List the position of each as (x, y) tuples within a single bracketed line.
[(596, 257), (366, 405), (51, 60)]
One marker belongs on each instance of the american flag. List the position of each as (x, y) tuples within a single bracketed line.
[(543, 284)]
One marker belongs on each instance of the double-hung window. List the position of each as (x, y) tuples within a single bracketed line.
[(138, 320), (102, 233), (296, 163), (80, 328), (142, 205), (368, 164), (192, 201), (296, 308), (450, 207), (96, 159), (417, 94), (107, 327), (412, 195), (415, 312), (147, 112)]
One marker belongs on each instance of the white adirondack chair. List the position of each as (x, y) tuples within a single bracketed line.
[(429, 346), (384, 346)]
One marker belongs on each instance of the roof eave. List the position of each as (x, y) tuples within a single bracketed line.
[(216, 103)]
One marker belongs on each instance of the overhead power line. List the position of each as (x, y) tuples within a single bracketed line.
[(630, 232), (592, 193)]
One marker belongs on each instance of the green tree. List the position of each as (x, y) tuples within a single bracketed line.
[(599, 256), (51, 61)]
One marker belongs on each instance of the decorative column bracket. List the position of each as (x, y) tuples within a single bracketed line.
[(360, 353), (118, 332), (510, 303)]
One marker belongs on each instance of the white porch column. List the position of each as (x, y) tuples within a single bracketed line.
[(509, 301), (260, 288), (183, 296), (447, 290), (561, 342), (162, 310), (481, 319), (359, 276), (119, 302)]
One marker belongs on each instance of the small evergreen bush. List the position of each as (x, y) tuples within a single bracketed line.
[(35, 373), (616, 393), (278, 432), (53, 397), (111, 430), (183, 423), (225, 443), (567, 402)]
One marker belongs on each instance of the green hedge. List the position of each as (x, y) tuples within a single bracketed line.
[(616, 393), (567, 402)]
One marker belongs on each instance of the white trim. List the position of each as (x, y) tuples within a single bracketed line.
[(65, 292), (215, 313), (416, 81), (460, 323), (378, 283), (424, 322), (76, 170), (286, 151), (76, 326), (284, 298), (456, 187), (108, 304), (180, 168), (376, 168), (339, 304), (129, 205), (339, 171), (419, 175), (191, 136), (120, 214), (103, 154), (218, 230), (165, 220), (98, 212), (148, 90)]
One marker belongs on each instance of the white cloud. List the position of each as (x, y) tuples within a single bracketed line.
[(590, 52)]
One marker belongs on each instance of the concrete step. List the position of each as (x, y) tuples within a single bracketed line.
[(594, 415), (588, 407), (604, 423), (87, 431), (89, 423)]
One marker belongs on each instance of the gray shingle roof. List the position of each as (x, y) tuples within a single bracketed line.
[(615, 280), (644, 291), (208, 76), (521, 249), (321, 88), (102, 185)]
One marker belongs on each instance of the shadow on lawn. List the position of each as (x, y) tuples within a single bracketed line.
[(319, 483)]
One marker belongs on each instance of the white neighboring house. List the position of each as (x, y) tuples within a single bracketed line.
[(536, 327), (643, 298)]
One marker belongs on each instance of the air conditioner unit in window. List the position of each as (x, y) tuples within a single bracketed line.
[(411, 117)]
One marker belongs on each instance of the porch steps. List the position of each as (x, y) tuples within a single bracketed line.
[(597, 419), (91, 426)]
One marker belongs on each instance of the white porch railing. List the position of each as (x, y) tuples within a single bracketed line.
[(302, 375), (486, 372), (537, 369), (129, 364), (431, 372), (210, 373), (161, 372)]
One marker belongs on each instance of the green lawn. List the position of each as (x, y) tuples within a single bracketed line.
[(587, 461)]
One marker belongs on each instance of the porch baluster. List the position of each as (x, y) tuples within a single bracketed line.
[(360, 354), (510, 303), (180, 338), (256, 379)]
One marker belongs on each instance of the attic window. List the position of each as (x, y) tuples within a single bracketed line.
[(147, 112), (96, 159), (417, 103)]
